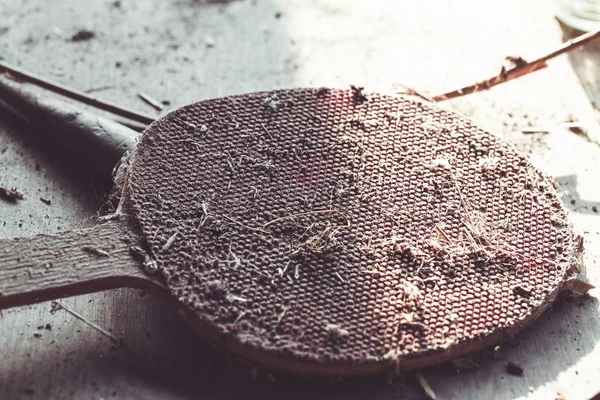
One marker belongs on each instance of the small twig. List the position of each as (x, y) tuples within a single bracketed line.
[(442, 233), (239, 317), (150, 101), (204, 216), (169, 242), (267, 131), (77, 95), (305, 214), (282, 271), (229, 161), (259, 272), (99, 89), (236, 260), (413, 92), (463, 203), (425, 386), (520, 68), (533, 130), (82, 318), (242, 225), (97, 251), (282, 314)]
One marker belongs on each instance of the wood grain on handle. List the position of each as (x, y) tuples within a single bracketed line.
[(47, 267)]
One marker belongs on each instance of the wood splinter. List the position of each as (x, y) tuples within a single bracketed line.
[(579, 284)]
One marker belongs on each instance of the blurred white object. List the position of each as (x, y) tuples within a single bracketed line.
[(583, 15)]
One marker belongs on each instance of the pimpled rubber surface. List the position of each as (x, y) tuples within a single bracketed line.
[(323, 227)]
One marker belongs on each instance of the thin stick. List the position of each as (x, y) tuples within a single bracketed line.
[(521, 68), (150, 101), (282, 314), (169, 242), (425, 386), (412, 92), (82, 318), (442, 233), (78, 95), (267, 131), (306, 213), (242, 225), (99, 89)]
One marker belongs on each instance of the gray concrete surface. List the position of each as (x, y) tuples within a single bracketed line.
[(188, 50)]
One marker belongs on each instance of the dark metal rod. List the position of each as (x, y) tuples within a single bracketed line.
[(78, 95)]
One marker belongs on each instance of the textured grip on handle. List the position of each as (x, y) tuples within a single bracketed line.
[(47, 267)]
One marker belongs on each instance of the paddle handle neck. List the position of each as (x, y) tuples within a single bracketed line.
[(47, 267)]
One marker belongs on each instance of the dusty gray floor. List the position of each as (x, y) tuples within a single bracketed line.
[(187, 50)]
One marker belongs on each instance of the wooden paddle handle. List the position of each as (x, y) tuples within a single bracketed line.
[(48, 267)]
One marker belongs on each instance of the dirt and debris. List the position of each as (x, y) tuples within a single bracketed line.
[(148, 263), (209, 41), (521, 291), (273, 102), (322, 91), (83, 35), (216, 290), (11, 195), (516, 61), (54, 307), (358, 94), (579, 130), (37, 335), (138, 253), (573, 125), (45, 201), (514, 369), (336, 333), (97, 251)]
